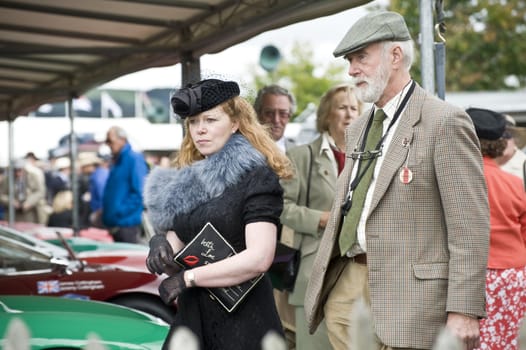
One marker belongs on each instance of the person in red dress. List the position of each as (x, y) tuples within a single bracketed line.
[(506, 271)]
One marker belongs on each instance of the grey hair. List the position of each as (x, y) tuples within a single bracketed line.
[(407, 49), (273, 90), (120, 132)]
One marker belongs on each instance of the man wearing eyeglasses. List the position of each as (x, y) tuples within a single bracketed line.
[(274, 106), (408, 231)]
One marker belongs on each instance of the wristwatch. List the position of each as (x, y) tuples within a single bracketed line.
[(191, 278)]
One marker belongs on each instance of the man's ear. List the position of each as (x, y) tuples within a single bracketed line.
[(397, 56)]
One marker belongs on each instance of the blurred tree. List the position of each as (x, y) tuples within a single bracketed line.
[(306, 79), (485, 42)]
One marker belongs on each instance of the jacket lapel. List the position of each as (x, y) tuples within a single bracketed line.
[(322, 166), (399, 148), (352, 138)]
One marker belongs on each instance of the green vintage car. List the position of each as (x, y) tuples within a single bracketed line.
[(60, 323), (82, 244)]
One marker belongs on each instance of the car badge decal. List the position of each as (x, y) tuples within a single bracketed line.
[(48, 287)]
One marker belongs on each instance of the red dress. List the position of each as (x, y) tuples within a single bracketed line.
[(506, 273)]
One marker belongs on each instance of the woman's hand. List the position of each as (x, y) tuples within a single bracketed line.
[(172, 287), (324, 219), (161, 254)]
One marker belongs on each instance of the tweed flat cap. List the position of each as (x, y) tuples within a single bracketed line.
[(489, 125), (373, 27), (202, 96)]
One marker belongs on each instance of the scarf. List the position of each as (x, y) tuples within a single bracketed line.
[(340, 158), (172, 192)]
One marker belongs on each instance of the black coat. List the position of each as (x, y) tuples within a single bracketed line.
[(61, 219), (256, 198), (229, 189)]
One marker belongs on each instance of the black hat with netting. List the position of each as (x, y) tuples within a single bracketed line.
[(202, 96)]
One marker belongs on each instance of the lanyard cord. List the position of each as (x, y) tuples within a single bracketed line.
[(347, 204)]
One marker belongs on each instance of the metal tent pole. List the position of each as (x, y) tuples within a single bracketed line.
[(73, 157), (440, 51), (11, 172), (426, 45)]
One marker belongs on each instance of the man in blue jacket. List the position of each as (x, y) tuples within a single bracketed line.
[(122, 202)]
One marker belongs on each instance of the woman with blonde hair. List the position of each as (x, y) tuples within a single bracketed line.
[(226, 174), (62, 214), (242, 112), (308, 196)]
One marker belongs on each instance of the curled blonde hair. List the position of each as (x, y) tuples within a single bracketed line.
[(241, 111)]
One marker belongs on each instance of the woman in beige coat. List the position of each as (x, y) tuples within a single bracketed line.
[(317, 166)]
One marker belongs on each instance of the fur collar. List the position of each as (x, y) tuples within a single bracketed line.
[(171, 192)]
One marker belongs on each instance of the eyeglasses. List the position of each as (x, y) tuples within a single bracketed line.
[(283, 114), (366, 155)]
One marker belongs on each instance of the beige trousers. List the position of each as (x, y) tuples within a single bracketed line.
[(350, 287)]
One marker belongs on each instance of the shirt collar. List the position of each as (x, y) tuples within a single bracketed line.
[(392, 105), (282, 144), (327, 142)]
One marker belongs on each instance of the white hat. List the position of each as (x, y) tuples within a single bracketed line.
[(62, 163), (88, 158)]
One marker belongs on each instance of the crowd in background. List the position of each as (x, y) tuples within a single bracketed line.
[(486, 160), (43, 192)]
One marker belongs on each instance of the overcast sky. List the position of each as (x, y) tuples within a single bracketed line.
[(322, 34)]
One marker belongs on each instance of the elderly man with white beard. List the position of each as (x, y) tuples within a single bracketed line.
[(409, 227)]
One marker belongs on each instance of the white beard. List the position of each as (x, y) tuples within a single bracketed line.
[(374, 86)]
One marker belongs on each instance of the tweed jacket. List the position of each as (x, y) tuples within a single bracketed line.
[(305, 220), (427, 241)]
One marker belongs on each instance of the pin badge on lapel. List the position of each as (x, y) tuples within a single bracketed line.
[(406, 175)]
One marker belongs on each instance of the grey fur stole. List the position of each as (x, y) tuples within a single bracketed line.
[(171, 192)]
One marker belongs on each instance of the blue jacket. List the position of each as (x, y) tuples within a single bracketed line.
[(122, 202), (97, 182)]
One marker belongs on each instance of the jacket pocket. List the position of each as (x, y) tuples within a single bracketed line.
[(431, 271), (309, 246)]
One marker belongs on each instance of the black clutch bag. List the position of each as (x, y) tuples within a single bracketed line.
[(284, 268), (207, 247)]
